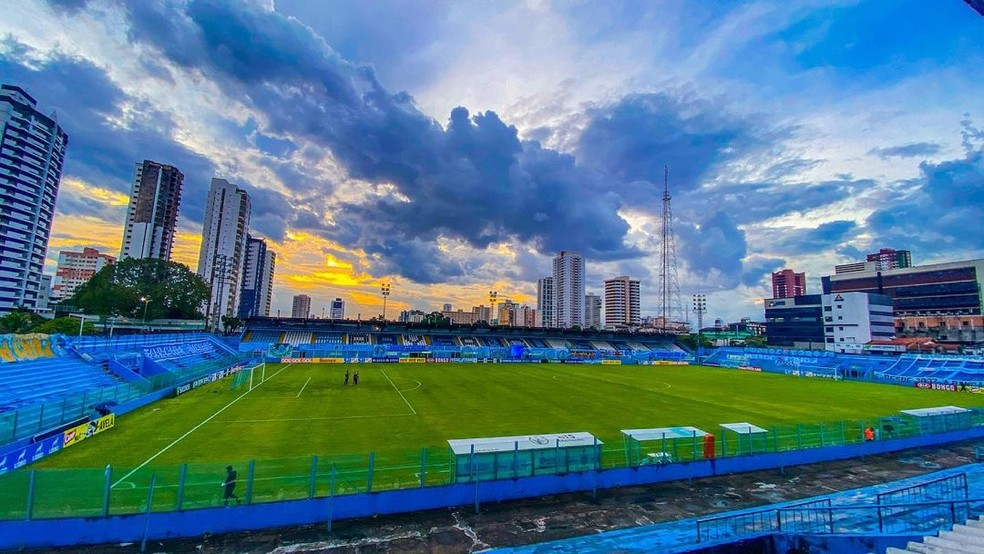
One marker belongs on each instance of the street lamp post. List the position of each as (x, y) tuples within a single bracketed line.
[(385, 291), (493, 296), (81, 324), (146, 302)]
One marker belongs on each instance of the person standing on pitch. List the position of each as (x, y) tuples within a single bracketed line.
[(346, 376), (230, 485), (355, 378)]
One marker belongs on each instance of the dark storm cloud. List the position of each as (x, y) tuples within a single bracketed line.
[(476, 181), (633, 139), (717, 244), (913, 150), (85, 99), (754, 202), (757, 267), (68, 6), (809, 241), (941, 210)]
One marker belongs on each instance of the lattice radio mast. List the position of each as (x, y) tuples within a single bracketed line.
[(671, 305)]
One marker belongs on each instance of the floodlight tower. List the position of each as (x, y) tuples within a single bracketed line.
[(700, 306), (493, 298), (670, 304), (385, 291)]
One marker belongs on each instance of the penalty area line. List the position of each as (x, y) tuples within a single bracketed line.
[(303, 387), (398, 391), (197, 427)]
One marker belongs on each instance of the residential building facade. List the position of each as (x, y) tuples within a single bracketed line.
[(223, 250), (853, 319), (256, 291), (75, 269), (592, 311), (622, 297), (301, 307), (545, 302), (337, 309), (32, 153), (568, 282), (152, 214), (788, 284)]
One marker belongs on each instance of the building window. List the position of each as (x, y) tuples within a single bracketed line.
[(831, 329), (827, 308), (830, 339), (840, 328), (840, 317), (839, 306)]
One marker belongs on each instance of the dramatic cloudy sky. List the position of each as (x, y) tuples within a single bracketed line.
[(453, 148)]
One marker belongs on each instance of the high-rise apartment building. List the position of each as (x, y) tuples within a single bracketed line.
[(75, 269), (788, 284), (622, 297), (544, 302), (301, 307), (220, 260), (152, 216), (568, 280), (32, 152), (337, 310), (592, 311), (256, 292), (888, 258)]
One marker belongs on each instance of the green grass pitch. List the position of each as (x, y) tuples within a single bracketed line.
[(302, 410)]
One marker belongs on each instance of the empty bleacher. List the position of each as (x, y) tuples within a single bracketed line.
[(329, 338), (470, 341), (443, 340), (414, 340), (29, 382), (387, 339), (359, 338), (263, 337)]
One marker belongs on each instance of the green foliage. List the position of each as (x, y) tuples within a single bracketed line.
[(231, 324), (20, 321), (690, 341), (64, 326), (437, 319), (173, 290)]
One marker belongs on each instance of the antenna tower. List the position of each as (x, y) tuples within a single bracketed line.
[(671, 306)]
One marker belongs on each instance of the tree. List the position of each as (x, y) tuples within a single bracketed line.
[(64, 326), (436, 319), (19, 321), (171, 290), (230, 324)]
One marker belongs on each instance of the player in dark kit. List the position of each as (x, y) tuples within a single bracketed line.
[(355, 378), (230, 485), (346, 376)]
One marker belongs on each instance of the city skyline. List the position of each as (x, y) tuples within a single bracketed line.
[(796, 136)]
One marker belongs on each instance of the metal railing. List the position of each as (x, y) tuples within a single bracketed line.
[(823, 517)]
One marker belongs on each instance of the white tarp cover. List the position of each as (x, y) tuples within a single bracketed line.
[(744, 428), (524, 442), (939, 410), (663, 433)]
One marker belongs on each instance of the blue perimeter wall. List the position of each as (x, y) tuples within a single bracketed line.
[(47, 533)]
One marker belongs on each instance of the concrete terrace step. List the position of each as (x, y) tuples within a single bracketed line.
[(954, 545), (972, 533)]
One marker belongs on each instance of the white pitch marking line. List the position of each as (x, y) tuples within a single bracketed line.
[(303, 387), (411, 388), (313, 418), (196, 427), (398, 391)]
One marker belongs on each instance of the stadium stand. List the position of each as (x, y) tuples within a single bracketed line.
[(25, 383), (359, 338), (329, 338), (298, 337), (417, 340), (387, 339)]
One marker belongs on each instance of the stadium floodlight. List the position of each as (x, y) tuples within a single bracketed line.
[(385, 291), (493, 297)]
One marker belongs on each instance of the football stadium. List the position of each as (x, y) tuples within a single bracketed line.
[(297, 422)]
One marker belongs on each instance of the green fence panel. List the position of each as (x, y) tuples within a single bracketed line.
[(68, 493), (280, 479), (13, 495)]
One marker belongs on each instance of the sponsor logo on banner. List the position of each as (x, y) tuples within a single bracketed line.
[(611, 362), (937, 386), (21, 459), (81, 432), (312, 360), (753, 368), (3, 465), (210, 378), (413, 360)]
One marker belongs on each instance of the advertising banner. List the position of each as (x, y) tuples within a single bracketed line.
[(413, 360), (611, 362), (312, 360), (30, 454), (210, 378), (81, 432)]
